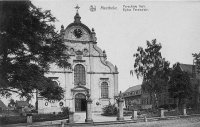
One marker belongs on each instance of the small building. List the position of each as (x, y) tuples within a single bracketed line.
[(132, 97), (136, 96)]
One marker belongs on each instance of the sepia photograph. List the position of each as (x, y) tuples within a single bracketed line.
[(106, 63)]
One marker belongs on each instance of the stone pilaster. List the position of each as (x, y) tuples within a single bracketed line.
[(162, 111), (29, 118), (184, 111), (116, 82), (134, 115), (120, 102), (71, 117), (89, 111)]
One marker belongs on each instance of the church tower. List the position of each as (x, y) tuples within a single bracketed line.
[(90, 73)]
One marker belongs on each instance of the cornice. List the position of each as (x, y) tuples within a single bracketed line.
[(59, 71), (83, 42), (102, 73)]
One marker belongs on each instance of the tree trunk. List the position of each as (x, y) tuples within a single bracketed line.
[(156, 100), (151, 99), (177, 104), (197, 94)]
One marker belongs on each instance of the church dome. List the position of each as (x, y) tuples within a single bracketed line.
[(77, 22), (78, 31)]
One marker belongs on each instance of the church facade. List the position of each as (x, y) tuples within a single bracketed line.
[(90, 73)]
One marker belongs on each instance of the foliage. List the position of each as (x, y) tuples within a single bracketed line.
[(168, 106), (29, 45), (179, 84), (197, 71), (48, 117), (152, 67), (34, 111), (36, 118), (110, 110), (12, 119), (148, 113), (197, 61), (172, 113), (193, 111), (65, 111), (127, 113), (12, 103), (30, 106)]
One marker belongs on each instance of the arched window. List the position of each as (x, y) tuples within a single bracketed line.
[(104, 90), (79, 75)]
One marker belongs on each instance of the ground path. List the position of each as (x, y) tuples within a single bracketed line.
[(191, 121), (182, 122), (97, 117)]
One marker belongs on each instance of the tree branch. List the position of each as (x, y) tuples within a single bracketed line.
[(6, 89)]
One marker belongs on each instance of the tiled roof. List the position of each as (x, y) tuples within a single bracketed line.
[(22, 103), (187, 67), (133, 88), (2, 105)]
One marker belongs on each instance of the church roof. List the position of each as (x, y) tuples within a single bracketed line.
[(133, 88), (77, 22)]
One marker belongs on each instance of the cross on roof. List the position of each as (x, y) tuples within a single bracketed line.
[(77, 7)]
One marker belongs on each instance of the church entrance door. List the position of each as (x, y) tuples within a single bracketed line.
[(80, 102)]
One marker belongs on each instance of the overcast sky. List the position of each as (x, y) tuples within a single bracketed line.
[(176, 25)]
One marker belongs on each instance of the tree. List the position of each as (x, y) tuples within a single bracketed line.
[(110, 110), (29, 45), (30, 106), (154, 69), (12, 103), (197, 78), (197, 61), (179, 85)]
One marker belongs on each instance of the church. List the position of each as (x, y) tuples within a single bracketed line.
[(90, 73)]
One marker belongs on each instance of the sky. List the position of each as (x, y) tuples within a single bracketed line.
[(175, 24)]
